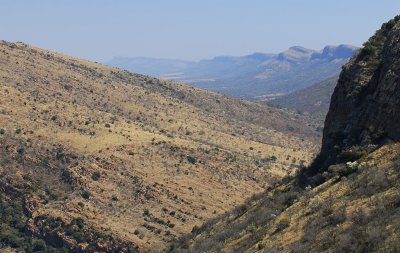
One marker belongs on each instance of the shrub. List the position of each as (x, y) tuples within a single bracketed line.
[(341, 170), (13, 231), (86, 194), (283, 223), (353, 154), (327, 211), (195, 230), (38, 245), (191, 159), (79, 236), (66, 176), (96, 175), (80, 222)]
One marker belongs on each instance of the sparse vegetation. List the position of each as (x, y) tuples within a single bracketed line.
[(14, 232), (86, 194), (97, 159), (96, 176), (191, 159), (283, 223), (107, 142)]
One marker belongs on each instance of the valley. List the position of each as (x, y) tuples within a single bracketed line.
[(313, 100), (297, 151), (133, 158), (348, 199)]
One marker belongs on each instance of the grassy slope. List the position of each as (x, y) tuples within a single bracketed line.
[(142, 160), (356, 210), (314, 99), (349, 200)]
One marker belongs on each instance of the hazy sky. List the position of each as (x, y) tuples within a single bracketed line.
[(189, 29)]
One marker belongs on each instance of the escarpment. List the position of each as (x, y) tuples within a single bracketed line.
[(348, 200), (365, 106)]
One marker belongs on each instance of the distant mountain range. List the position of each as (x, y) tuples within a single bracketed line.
[(258, 76)]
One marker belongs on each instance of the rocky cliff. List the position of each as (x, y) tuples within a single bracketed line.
[(365, 106), (351, 201)]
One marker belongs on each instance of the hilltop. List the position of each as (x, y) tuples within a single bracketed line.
[(348, 200), (94, 158), (258, 76)]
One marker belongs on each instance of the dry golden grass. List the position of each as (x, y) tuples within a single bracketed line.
[(169, 156), (357, 213)]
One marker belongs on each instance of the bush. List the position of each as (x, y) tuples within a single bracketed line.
[(353, 154), (38, 245), (86, 194), (191, 159), (283, 223), (80, 222), (13, 232), (79, 236), (195, 230), (341, 170), (66, 176), (96, 175)]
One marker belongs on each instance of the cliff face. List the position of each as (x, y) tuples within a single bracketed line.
[(365, 106), (346, 207)]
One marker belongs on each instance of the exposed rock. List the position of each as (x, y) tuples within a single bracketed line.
[(365, 106)]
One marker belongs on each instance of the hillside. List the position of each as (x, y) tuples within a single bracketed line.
[(348, 200), (257, 76), (314, 100), (98, 159)]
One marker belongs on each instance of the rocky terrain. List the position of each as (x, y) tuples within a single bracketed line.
[(257, 76), (348, 200), (364, 110), (94, 158)]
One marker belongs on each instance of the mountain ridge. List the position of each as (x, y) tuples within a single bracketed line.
[(252, 76)]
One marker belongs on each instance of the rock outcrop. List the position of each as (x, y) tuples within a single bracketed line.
[(345, 204), (365, 106)]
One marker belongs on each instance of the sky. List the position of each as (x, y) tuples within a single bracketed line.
[(99, 30)]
